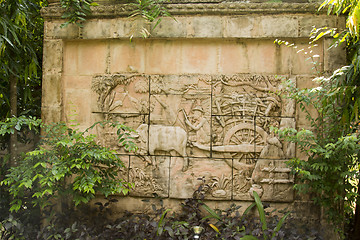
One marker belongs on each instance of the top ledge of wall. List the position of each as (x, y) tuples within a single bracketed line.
[(109, 9)]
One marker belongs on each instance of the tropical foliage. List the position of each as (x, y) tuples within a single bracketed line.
[(331, 173), (68, 164), (21, 33)]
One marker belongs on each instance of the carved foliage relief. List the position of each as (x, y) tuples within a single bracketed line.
[(201, 129)]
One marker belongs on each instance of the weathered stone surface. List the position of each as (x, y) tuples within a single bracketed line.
[(272, 180), (277, 26), (163, 57), (168, 28), (301, 121), (213, 27), (199, 57), (54, 30), (307, 23), (334, 56), (127, 56), (201, 92), (76, 82), (213, 174), (302, 58), (53, 57), (51, 114), (96, 29), (53, 88), (148, 179), (121, 94), (75, 108), (189, 8)]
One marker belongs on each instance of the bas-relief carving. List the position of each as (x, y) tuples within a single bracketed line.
[(273, 176), (121, 93), (148, 180), (226, 117), (214, 175)]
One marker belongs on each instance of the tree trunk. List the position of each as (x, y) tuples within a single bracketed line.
[(13, 113)]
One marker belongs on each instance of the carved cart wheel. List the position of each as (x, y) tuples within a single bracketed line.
[(250, 140)]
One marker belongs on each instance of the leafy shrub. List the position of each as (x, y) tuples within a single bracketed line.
[(69, 164), (161, 224), (331, 172)]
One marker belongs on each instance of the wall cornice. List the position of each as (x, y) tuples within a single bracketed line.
[(109, 10)]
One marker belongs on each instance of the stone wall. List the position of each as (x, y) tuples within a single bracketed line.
[(201, 92)]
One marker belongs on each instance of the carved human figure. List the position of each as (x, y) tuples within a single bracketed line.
[(273, 147), (200, 125)]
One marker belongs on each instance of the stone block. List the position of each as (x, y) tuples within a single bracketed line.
[(51, 114), (214, 174), (52, 90), (276, 27), (308, 22), (234, 57), (334, 57), (129, 28), (163, 57), (302, 122), (53, 57), (170, 28), (97, 29), (261, 57), (124, 172), (199, 56), (92, 57), (122, 28), (126, 56), (306, 81), (71, 58), (304, 59), (307, 210), (149, 180), (241, 26), (76, 82), (54, 30), (206, 27), (126, 204), (75, 108)]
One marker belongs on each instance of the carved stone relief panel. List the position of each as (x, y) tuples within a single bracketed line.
[(149, 180), (107, 135), (214, 175), (199, 117), (273, 181), (121, 93), (180, 84)]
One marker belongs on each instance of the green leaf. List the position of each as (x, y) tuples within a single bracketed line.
[(161, 222), (279, 224), (248, 237), (212, 212), (260, 209)]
